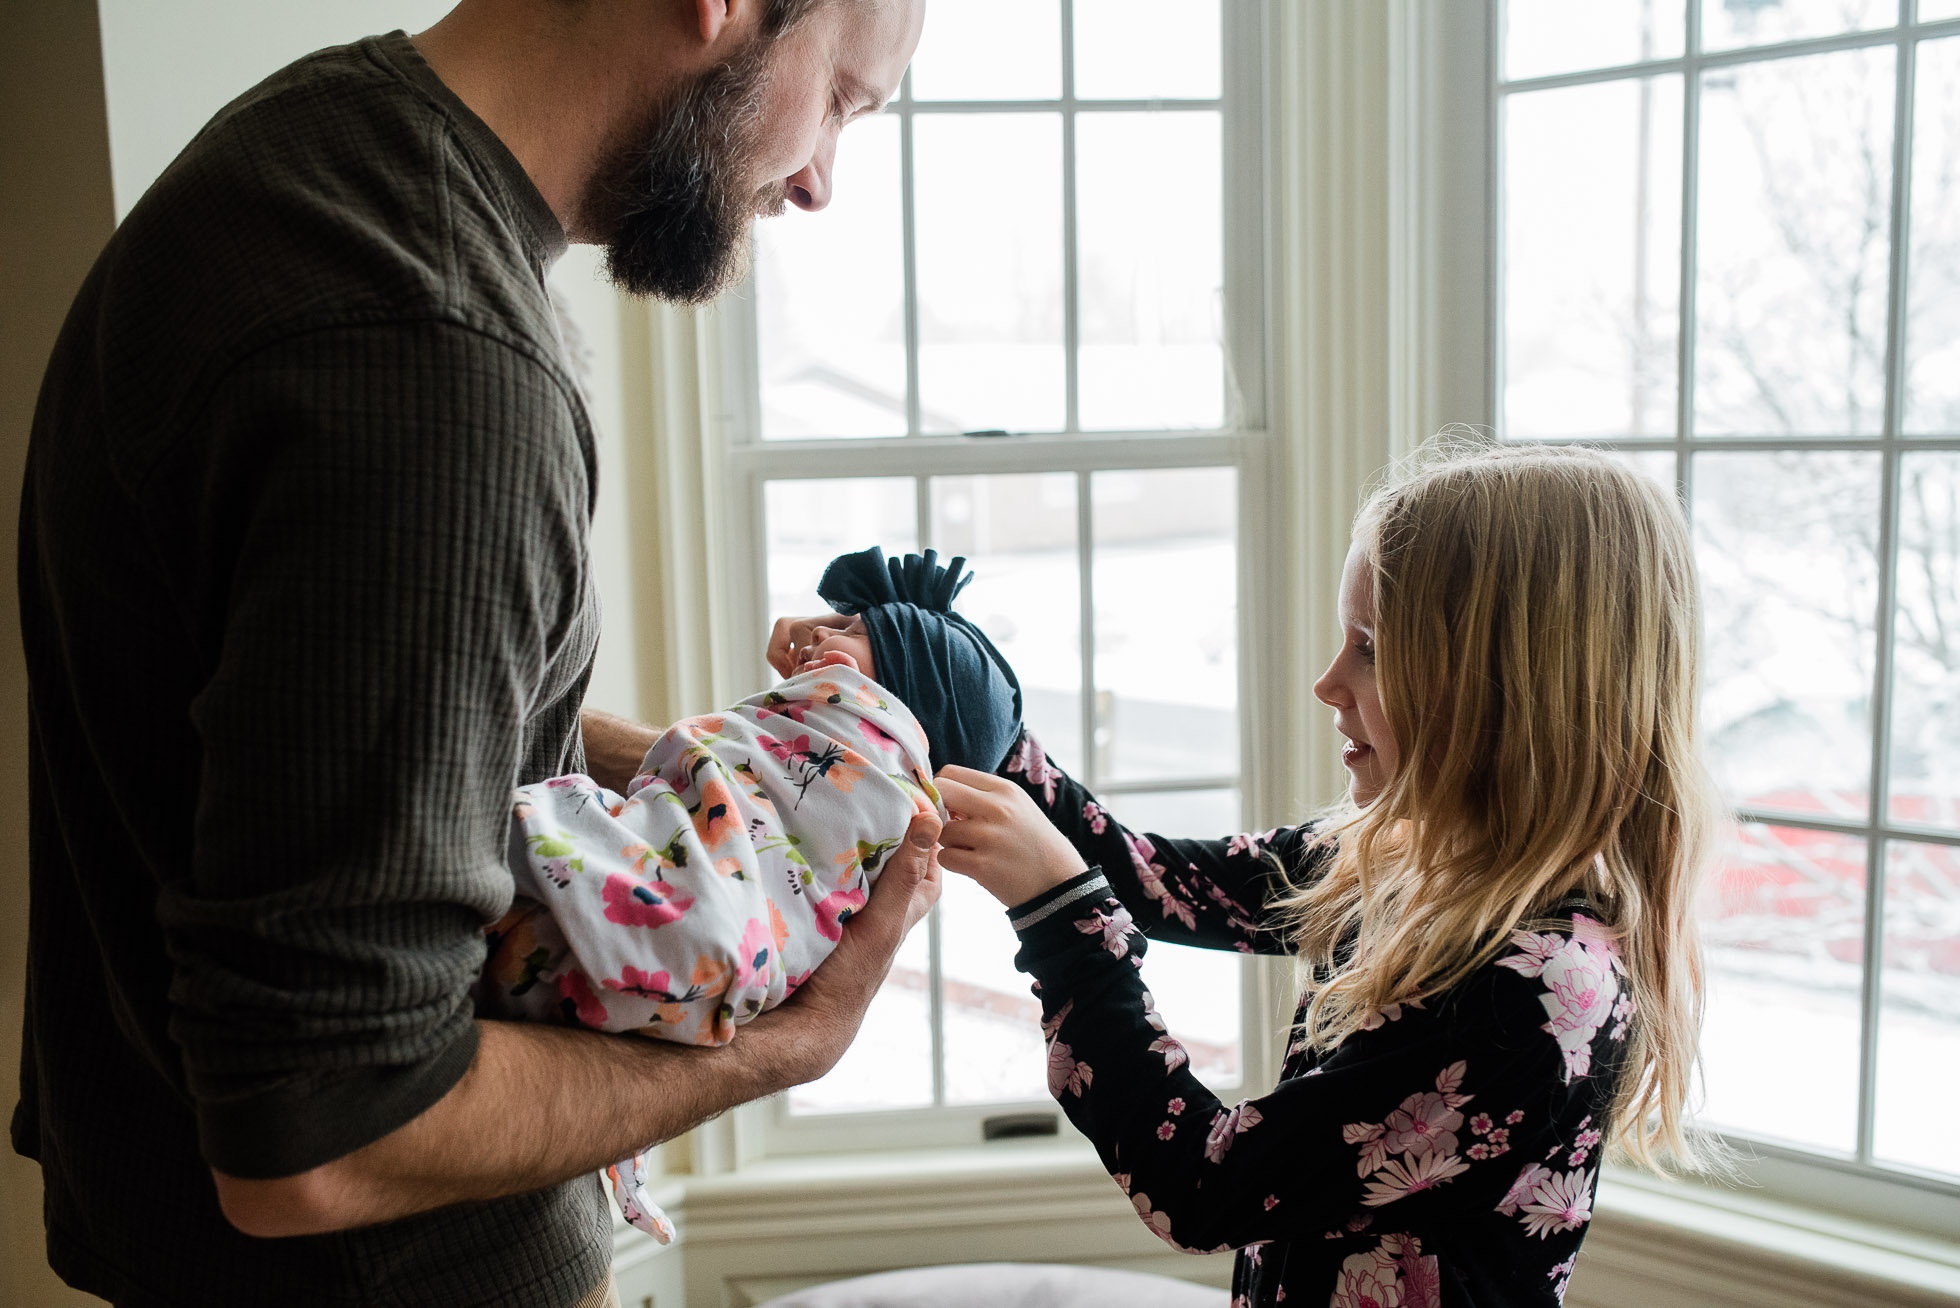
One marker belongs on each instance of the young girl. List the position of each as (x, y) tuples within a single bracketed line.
[(1499, 962)]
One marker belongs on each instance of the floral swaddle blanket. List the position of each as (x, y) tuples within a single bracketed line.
[(710, 890)]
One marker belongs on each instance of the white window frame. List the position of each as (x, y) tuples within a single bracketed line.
[(747, 462), (1471, 92)]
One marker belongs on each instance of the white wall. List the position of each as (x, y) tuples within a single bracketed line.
[(169, 67)]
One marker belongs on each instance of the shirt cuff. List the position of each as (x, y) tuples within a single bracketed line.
[(304, 1123), (1025, 917)]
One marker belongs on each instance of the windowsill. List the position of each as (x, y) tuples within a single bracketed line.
[(1715, 1221), (1019, 1180)]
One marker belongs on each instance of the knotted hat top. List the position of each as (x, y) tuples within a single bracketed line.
[(946, 671)]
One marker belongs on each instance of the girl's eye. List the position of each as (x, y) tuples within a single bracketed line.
[(1366, 651)]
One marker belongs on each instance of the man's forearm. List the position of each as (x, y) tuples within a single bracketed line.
[(543, 1104), (539, 1105), (614, 747)]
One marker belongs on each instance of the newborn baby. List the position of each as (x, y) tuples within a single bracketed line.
[(723, 876)]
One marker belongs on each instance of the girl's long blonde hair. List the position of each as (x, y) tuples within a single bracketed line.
[(1537, 632)]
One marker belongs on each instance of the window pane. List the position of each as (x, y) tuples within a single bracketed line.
[(830, 301), (1592, 259), (1656, 465), (1541, 37), (990, 274), (994, 1048), (1018, 536), (1931, 11), (809, 523), (1726, 24), (1166, 588), (1932, 399), (1783, 920), (1789, 570), (989, 50), (1197, 995), (1147, 49), (1205, 814), (1152, 275), (1926, 645), (889, 1065), (1197, 990), (1795, 222), (1919, 1023)]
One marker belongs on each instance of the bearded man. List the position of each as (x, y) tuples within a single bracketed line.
[(305, 590)]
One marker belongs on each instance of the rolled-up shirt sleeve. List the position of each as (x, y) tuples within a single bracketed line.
[(391, 544)]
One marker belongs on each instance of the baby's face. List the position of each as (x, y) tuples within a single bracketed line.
[(851, 641)]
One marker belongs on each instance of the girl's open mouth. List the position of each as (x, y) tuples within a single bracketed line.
[(1355, 752)]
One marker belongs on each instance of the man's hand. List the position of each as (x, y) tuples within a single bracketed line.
[(542, 1104), (998, 837), (795, 642), (821, 1019)]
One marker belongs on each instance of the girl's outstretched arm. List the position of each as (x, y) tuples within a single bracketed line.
[(1468, 1117), (1212, 893), (1467, 1114)]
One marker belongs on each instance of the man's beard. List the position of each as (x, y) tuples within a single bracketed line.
[(672, 204)]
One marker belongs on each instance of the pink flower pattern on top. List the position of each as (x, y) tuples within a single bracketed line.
[(1435, 1103), (1226, 1128), (1423, 1131), (1580, 986), (1029, 759), (1394, 1274)]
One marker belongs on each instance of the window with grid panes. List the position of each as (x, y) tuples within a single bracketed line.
[(1728, 247), (1016, 334)]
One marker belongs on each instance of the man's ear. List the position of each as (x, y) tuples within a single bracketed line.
[(710, 16), (716, 19)]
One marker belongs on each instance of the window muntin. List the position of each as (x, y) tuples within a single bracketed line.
[(1792, 389), (1161, 713), (1045, 236)]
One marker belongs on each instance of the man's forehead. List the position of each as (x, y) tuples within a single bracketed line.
[(876, 40)]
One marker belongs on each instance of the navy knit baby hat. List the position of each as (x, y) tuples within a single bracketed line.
[(950, 675)]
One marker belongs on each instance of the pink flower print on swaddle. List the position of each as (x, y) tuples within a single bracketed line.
[(743, 846)]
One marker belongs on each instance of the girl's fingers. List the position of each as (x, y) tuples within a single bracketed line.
[(960, 799), (972, 778)]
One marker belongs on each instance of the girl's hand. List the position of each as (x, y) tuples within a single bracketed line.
[(996, 835)]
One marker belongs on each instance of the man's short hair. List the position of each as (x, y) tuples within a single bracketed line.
[(779, 16)]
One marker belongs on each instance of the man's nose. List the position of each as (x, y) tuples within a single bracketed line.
[(809, 186)]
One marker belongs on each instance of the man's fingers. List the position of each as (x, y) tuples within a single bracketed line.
[(911, 862), (924, 831)]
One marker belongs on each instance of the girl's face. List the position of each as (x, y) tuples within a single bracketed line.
[(1348, 687)]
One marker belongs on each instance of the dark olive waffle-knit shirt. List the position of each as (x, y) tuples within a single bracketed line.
[(304, 592)]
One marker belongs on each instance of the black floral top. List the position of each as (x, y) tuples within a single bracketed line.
[(1447, 1154)]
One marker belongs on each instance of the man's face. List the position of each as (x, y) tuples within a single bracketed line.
[(751, 136)]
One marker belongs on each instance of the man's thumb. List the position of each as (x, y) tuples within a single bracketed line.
[(924, 831)]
